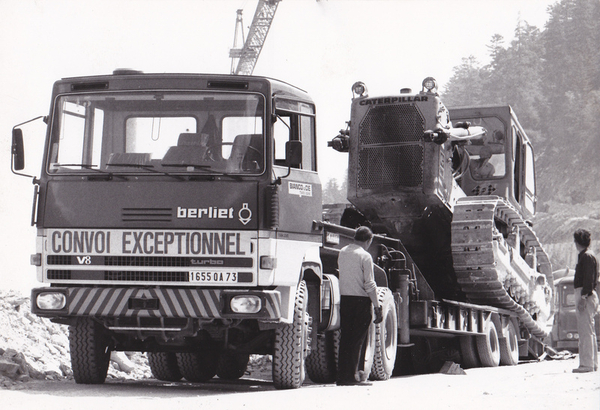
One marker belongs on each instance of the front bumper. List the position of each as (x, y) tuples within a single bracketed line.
[(165, 302)]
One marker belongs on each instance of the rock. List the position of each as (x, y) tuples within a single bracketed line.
[(451, 368), (9, 369), (125, 365)]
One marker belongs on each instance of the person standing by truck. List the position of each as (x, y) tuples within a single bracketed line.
[(586, 278), (358, 290)]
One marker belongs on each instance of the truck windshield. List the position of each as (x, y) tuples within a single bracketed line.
[(150, 132)]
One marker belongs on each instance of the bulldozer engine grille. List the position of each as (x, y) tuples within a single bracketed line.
[(398, 166), (390, 148)]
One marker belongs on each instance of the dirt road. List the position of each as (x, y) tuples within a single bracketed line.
[(544, 385)]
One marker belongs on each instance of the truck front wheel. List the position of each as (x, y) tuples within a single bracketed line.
[(90, 351), (292, 346)]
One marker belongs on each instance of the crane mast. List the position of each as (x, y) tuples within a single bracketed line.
[(243, 59)]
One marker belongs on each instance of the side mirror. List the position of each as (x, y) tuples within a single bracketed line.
[(293, 153), (18, 151)]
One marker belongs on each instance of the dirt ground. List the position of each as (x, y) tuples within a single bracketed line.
[(35, 372)]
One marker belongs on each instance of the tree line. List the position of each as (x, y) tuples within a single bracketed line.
[(551, 78)]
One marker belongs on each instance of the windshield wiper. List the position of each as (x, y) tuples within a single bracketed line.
[(89, 167), (147, 168)]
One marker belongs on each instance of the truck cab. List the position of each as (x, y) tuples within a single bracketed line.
[(174, 214), (564, 334)]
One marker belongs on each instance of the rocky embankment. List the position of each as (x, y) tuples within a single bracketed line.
[(34, 348)]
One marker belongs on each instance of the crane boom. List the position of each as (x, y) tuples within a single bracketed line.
[(247, 55)]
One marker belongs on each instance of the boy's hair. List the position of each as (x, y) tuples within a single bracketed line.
[(582, 237), (363, 234)]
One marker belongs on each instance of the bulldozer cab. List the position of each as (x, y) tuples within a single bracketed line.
[(501, 162)]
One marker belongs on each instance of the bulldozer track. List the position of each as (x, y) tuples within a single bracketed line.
[(475, 258)]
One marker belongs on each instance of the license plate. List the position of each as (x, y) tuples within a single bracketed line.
[(213, 277)]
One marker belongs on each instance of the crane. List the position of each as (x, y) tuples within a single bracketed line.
[(243, 59)]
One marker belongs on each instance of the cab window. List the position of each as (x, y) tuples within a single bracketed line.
[(296, 125)]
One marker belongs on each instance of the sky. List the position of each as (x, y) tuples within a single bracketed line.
[(321, 46)]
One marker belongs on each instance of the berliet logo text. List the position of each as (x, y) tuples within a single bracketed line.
[(212, 212)]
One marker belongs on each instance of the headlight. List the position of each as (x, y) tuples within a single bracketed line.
[(430, 85), (245, 304), (51, 301), (359, 89)]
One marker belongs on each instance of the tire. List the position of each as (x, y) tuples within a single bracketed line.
[(90, 351), (386, 337), (488, 346), (468, 352), (292, 346), (509, 347), (232, 366), (197, 367), (164, 366), (321, 363)]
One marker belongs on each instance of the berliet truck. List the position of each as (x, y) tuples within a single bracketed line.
[(180, 215)]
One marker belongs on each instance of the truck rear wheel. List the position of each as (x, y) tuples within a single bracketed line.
[(232, 366), (197, 367), (488, 346), (321, 363), (292, 346), (509, 347), (90, 351), (386, 337), (164, 366)]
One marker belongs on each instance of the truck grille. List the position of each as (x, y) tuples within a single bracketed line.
[(147, 214), (390, 149), (129, 276)]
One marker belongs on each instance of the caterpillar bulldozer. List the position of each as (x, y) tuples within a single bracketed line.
[(457, 188)]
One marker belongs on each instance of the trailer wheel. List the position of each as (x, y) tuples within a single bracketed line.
[(90, 351), (292, 346), (488, 346), (321, 363), (232, 366), (386, 337), (197, 367), (163, 366), (509, 347), (468, 352)]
